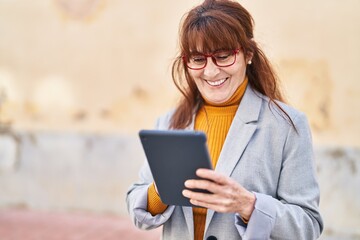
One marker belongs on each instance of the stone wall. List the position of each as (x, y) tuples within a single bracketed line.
[(99, 65), (90, 172)]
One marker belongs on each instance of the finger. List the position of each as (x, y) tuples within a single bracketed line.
[(199, 203), (203, 184), (203, 197), (203, 204), (212, 175), (214, 207)]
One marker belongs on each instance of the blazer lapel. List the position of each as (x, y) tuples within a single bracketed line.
[(241, 130), (188, 213), (189, 218)]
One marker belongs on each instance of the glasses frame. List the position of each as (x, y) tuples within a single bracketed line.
[(211, 55)]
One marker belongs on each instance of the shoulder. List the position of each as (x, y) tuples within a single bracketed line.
[(280, 122), (293, 113), (281, 112), (163, 122)]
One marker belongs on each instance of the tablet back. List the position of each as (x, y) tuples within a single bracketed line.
[(173, 157)]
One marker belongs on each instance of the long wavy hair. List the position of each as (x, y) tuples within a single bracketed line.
[(213, 25)]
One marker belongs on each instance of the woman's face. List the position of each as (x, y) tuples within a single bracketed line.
[(217, 84)]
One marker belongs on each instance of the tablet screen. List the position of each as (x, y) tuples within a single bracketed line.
[(173, 157)]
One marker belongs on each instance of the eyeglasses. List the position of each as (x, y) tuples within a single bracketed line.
[(221, 58)]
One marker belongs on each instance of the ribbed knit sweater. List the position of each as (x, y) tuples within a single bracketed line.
[(215, 120)]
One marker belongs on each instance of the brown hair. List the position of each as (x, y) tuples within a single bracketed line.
[(213, 25)]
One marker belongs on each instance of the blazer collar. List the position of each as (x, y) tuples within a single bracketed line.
[(250, 106), (241, 130)]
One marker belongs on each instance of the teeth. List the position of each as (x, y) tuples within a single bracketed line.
[(217, 83)]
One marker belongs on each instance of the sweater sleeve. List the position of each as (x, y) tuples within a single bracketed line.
[(154, 204), (143, 191), (137, 203)]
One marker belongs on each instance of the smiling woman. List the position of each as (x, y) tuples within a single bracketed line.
[(231, 93)]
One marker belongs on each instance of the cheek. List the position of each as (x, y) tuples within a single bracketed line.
[(198, 82), (195, 74), (195, 79), (238, 70)]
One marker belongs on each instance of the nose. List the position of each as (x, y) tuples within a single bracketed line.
[(211, 69)]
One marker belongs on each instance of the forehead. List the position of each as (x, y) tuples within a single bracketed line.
[(202, 43), (208, 35)]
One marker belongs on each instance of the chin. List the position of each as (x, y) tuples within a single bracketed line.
[(218, 101)]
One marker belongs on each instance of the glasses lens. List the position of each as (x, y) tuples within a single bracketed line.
[(196, 61), (222, 58)]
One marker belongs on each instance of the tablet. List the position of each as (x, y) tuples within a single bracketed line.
[(173, 157)]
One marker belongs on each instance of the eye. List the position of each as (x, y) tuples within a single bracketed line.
[(223, 55), (197, 59)]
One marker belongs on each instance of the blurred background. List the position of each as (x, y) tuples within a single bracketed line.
[(79, 78)]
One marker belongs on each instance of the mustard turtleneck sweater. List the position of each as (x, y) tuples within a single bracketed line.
[(215, 121)]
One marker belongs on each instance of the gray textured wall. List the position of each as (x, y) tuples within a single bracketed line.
[(89, 172)]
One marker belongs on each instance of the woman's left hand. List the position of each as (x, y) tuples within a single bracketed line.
[(226, 195)]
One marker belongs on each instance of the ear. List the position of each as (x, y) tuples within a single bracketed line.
[(250, 54), (249, 57)]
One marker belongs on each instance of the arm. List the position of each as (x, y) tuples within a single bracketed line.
[(154, 204), (144, 204), (294, 214), (137, 202)]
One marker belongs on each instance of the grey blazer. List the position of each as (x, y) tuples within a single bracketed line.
[(264, 153)]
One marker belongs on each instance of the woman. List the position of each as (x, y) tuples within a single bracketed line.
[(264, 184)]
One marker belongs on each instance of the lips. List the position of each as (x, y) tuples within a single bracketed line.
[(216, 83)]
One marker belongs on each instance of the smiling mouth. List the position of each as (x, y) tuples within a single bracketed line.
[(216, 83)]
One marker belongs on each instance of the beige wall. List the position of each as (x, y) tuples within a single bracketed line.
[(99, 65)]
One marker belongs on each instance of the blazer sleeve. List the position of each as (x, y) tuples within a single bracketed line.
[(294, 213), (137, 194)]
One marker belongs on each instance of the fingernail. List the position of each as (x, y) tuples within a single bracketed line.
[(199, 171)]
